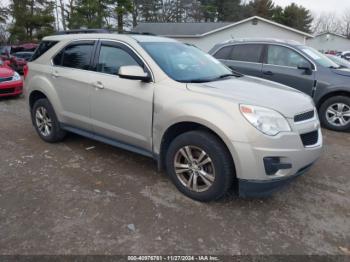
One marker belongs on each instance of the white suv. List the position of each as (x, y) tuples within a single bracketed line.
[(209, 127)]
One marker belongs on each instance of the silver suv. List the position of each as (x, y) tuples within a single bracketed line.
[(208, 127)]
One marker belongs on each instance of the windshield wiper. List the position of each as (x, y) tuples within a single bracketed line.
[(205, 80), (333, 67), (199, 80)]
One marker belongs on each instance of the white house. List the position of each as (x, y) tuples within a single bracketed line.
[(206, 35), (329, 42)]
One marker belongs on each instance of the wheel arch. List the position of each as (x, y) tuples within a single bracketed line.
[(34, 96), (340, 92), (41, 87), (182, 127)]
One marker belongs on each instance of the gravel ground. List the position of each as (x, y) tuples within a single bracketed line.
[(84, 197)]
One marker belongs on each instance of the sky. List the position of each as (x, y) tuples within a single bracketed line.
[(316, 6), (320, 6)]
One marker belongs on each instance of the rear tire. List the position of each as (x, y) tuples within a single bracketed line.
[(45, 121), (335, 113), (211, 172)]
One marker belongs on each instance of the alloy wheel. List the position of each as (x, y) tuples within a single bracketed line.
[(43, 121), (338, 114), (194, 168)]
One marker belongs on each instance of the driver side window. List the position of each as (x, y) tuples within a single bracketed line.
[(283, 56), (111, 58)]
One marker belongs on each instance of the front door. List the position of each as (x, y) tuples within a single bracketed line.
[(281, 65), (121, 109)]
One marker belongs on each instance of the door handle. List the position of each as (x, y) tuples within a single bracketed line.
[(268, 73), (55, 74), (98, 85)]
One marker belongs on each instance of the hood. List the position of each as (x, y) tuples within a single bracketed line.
[(342, 71), (6, 72), (259, 92)]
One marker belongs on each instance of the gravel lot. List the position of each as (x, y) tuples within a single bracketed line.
[(84, 197)]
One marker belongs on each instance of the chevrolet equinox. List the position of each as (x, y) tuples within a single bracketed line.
[(210, 128)]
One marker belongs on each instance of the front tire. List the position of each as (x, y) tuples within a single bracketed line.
[(335, 113), (45, 121), (200, 166)]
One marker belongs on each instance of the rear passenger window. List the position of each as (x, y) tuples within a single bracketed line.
[(223, 53), (77, 55), (42, 49), (247, 53)]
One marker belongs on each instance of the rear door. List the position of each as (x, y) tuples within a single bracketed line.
[(244, 58), (72, 78), (281, 65)]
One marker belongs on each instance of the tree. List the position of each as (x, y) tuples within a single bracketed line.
[(32, 19), (209, 10), (298, 17), (229, 10), (346, 23), (3, 14), (263, 8), (326, 22), (89, 13), (123, 8)]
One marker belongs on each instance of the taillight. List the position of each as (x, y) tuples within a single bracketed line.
[(25, 71)]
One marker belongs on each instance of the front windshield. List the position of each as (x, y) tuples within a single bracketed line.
[(319, 57), (185, 63)]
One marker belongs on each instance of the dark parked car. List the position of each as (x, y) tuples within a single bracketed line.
[(24, 55), (298, 66)]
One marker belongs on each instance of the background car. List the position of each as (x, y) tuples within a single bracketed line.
[(346, 55), (297, 66), (340, 61), (16, 62), (11, 83), (24, 55)]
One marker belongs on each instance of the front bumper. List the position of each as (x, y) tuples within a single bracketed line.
[(264, 188), (294, 157), (12, 88)]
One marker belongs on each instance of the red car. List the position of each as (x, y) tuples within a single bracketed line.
[(11, 83)]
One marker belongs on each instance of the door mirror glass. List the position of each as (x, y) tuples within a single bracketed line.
[(133, 73)]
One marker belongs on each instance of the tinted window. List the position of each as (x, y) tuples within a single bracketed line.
[(76, 56), (223, 53), (283, 56), (42, 49), (247, 53), (112, 58), (57, 60)]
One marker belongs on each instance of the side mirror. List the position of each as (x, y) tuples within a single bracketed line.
[(306, 67), (133, 73)]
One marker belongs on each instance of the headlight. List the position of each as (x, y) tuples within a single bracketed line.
[(16, 77), (266, 120)]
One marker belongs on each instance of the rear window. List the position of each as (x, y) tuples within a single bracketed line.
[(76, 55), (247, 53), (223, 53), (42, 49)]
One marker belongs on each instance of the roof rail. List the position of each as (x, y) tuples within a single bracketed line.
[(137, 33), (83, 31)]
